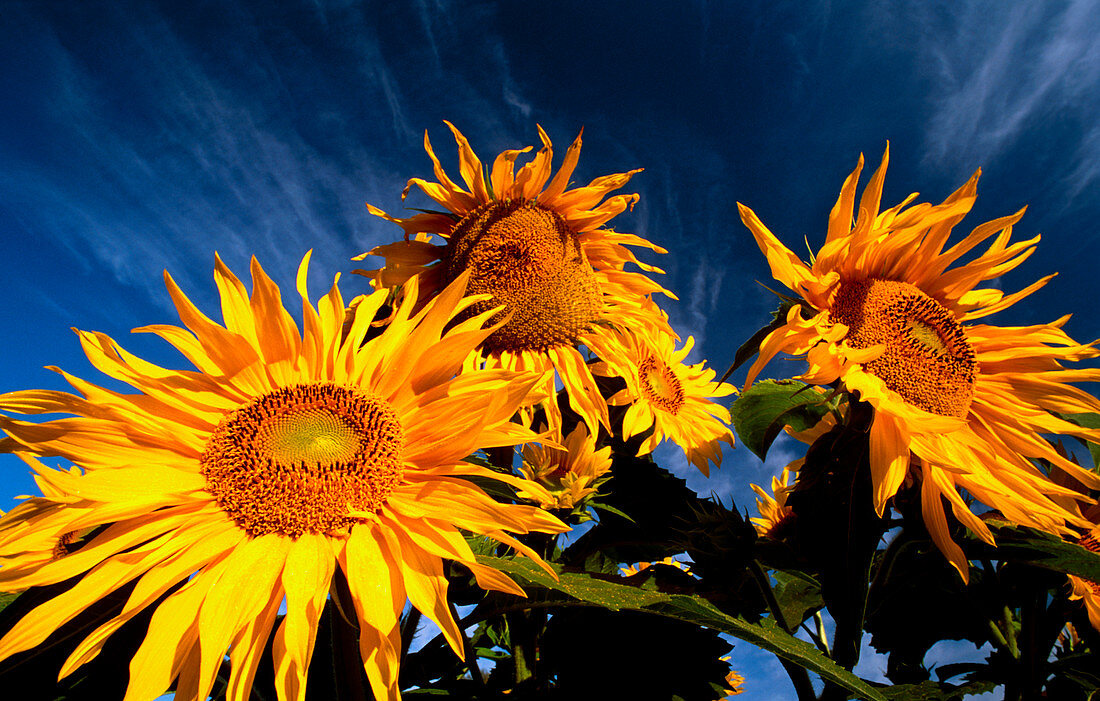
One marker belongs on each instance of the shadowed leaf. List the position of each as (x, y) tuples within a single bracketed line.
[(692, 609)]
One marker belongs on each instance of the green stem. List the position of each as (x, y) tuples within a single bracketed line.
[(764, 583), (800, 678), (522, 639), (999, 641), (1010, 632), (1031, 620), (821, 635)]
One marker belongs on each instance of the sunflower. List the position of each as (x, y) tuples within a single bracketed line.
[(882, 315), (571, 475), (538, 248), (39, 547), (286, 461), (775, 516), (735, 683), (673, 398), (1084, 589)]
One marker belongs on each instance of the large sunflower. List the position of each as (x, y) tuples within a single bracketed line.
[(286, 460), (882, 315), (538, 248)]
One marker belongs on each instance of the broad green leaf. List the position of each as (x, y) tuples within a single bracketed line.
[(797, 594), (692, 609), (762, 411), (936, 691), (1043, 550)]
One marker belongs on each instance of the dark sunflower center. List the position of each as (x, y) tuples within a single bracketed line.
[(528, 258), (928, 360), (784, 526), (299, 459), (66, 545), (660, 386)]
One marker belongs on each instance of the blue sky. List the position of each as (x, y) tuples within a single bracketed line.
[(142, 136)]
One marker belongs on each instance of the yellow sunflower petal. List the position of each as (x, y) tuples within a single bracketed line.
[(305, 577)]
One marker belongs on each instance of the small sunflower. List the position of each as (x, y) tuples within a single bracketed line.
[(775, 516), (571, 475), (674, 399), (539, 250), (883, 315), (286, 460), (735, 683)]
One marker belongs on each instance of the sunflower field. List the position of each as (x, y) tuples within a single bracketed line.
[(438, 480)]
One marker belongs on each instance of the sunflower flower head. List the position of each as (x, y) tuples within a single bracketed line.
[(776, 518), (1086, 590), (571, 475), (674, 399), (538, 250), (287, 459), (885, 315), (735, 683)]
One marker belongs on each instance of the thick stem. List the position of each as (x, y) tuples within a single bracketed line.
[(839, 530), (764, 583), (524, 643), (801, 680), (1010, 632)]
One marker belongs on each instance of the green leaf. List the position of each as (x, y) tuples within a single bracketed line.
[(1042, 550), (611, 510), (797, 594), (762, 411), (692, 609), (6, 598), (936, 691)]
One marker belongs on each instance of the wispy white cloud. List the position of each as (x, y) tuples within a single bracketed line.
[(999, 70), (203, 164)]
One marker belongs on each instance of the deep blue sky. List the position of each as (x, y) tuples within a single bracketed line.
[(139, 136)]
